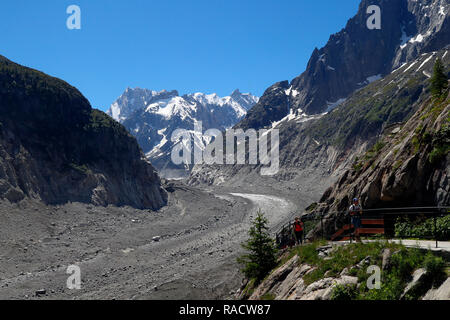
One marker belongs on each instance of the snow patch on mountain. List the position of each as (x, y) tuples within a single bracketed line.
[(428, 59), (133, 100), (333, 105), (404, 39), (298, 116), (374, 78), (153, 116)]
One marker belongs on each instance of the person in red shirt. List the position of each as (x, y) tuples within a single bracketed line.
[(298, 230)]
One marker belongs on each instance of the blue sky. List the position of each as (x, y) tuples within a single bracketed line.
[(191, 46)]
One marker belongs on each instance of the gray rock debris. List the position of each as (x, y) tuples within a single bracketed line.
[(418, 277), (442, 293)]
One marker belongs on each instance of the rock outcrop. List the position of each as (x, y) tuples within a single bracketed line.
[(54, 147), (408, 166), (317, 151), (286, 283), (338, 274), (357, 56), (359, 84), (441, 293)]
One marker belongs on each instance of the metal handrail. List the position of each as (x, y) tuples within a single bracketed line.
[(316, 216)]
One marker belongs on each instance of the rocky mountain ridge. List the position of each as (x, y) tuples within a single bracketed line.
[(355, 57), (152, 117), (55, 148), (408, 166), (316, 150)]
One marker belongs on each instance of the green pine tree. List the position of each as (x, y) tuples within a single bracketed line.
[(262, 253), (439, 81)]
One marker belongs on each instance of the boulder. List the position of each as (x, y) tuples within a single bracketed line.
[(322, 289), (274, 278), (387, 254), (363, 262), (293, 284), (418, 278), (344, 272), (441, 293)]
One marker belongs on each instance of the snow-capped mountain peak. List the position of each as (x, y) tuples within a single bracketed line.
[(152, 116), (169, 103), (134, 99), (169, 108)]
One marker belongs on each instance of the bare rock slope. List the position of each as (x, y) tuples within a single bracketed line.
[(408, 166), (316, 151), (54, 147)]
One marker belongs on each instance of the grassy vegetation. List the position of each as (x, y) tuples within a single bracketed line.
[(374, 151), (416, 144), (423, 228), (394, 280), (376, 106), (440, 140), (369, 157), (378, 146), (249, 288), (397, 164), (344, 292), (30, 94), (53, 121), (312, 207), (101, 121), (346, 257), (436, 267), (307, 253), (309, 225), (357, 166), (441, 145), (268, 296), (80, 168), (367, 112), (436, 108)]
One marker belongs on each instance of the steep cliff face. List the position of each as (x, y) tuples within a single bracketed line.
[(273, 106), (408, 166), (359, 83), (316, 150), (357, 56), (56, 148)]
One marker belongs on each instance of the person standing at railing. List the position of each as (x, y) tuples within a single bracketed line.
[(356, 212), (298, 231)]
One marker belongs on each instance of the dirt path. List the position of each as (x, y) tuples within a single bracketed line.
[(422, 244)]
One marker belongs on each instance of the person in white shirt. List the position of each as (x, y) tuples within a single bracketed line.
[(356, 212)]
